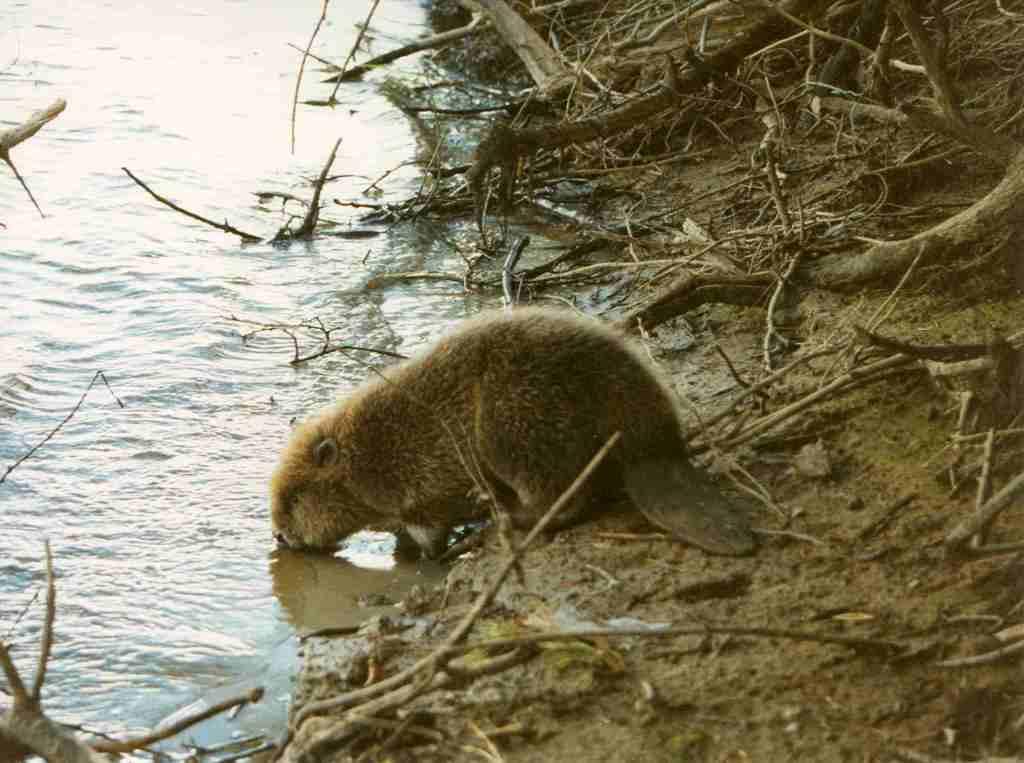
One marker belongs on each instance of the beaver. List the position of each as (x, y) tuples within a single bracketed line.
[(511, 405)]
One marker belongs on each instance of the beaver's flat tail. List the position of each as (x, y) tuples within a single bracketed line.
[(679, 498)]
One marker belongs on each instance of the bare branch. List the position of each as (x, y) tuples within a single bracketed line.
[(355, 46), (139, 743), (49, 436), (313, 211), (11, 138), (46, 645), (302, 67), (984, 516), (167, 202), (434, 41)]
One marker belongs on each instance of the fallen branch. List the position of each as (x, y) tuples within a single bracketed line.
[(313, 210), (141, 742), (985, 515), (12, 137), (854, 377), (428, 43), (865, 645), (227, 228), (983, 659)]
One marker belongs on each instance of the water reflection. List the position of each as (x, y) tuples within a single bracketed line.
[(322, 591)]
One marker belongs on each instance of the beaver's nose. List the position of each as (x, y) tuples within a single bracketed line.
[(281, 540)]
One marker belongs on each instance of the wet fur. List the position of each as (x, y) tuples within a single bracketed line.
[(511, 404)]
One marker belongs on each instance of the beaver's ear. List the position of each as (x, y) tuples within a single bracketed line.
[(326, 452)]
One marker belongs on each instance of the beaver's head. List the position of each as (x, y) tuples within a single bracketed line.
[(311, 505)]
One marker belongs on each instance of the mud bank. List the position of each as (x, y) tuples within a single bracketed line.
[(859, 632), (860, 557)]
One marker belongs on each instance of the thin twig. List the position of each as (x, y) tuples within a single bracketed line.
[(49, 436), (492, 751), (355, 46), (318, 59), (740, 381), (868, 52), (990, 550), (872, 371), (302, 67), (768, 380), (435, 41), (328, 349), (25, 722), (313, 327), (765, 532), (21, 615), (882, 314)]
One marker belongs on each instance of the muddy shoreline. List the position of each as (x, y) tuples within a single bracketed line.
[(847, 565), (860, 491)]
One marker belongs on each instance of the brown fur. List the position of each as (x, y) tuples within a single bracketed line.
[(523, 400)]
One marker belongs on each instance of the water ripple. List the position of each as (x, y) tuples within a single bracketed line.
[(157, 511)]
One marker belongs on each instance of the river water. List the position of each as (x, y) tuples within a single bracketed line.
[(169, 590)]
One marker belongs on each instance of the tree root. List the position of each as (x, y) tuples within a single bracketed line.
[(690, 291)]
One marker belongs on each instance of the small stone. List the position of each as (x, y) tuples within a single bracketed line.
[(813, 461)]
